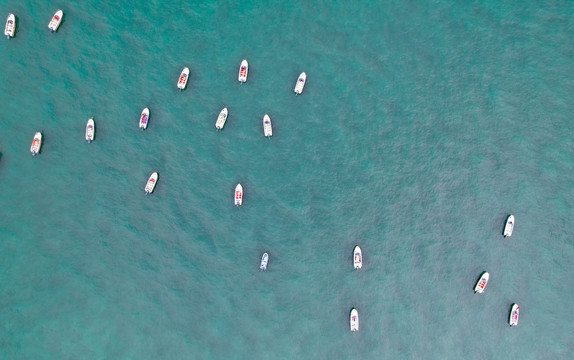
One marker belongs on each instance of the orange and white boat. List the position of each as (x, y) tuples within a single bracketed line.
[(238, 195), (56, 20), (182, 82), (36, 144), (243, 69)]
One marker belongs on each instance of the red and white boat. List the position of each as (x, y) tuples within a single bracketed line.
[(56, 20), (481, 284), (144, 119), (182, 82), (238, 195), (243, 69), (150, 185), (357, 257), (354, 319), (10, 26), (514, 312), (36, 144)]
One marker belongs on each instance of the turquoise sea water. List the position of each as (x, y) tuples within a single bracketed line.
[(421, 127)]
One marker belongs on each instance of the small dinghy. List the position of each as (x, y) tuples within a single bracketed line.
[(514, 312), (238, 195), (354, 320), (56, 20), (267, 129), (264, 260), (144, 118), (509, 227), (221, 119), (36, 144), (90, 130), (182, 82), (152, 181), (243, 71), (300, 83), (481, 284), (10, 26), (357, 258)]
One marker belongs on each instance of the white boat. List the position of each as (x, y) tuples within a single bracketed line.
[(300, 83), (243, 69), (238, 195), (221, 119), (357, 257), (144, 119), (90, 130), (267, 129), (10, 26), (481, 284), (264, 260), (56, 20), (152, 181), (354, 318), (182, 82), (514, 312), (36, 144), (509, 227)]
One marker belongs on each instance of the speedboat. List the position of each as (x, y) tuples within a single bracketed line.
[(357, 257), (300, 83), (90, 130), (243, 71), (36, 144), (10, 26), (514, 312), (267, 129), (144, 118), (56, 20), (182, 82), (354, 320), (509, 227), (221, 119), (238, 195), (481, 284), (264, 260), (151, 183)]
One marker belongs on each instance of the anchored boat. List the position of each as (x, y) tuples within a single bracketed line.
[(182, 82), (10, 26), (144, 118), (357, 257), (481, 283), (509, 227), (300, 83), (221, 119), (56, 20), (514, 312), (36, 144), (354, 318), (264, 260), (238, 195), (90, 130), (243, 71), (267, 129), (152, 181)]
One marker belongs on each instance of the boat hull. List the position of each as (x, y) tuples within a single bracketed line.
[(90, 130), (10, 28), (354, 320), (509, 226), (243, 70), (300, 85), (267, 127), (264, 260), (144, 119), (56, 20), (238, 195), (481, 283), (151, 183), (357, 258), (221, 119), (182, 82), (514, 313), (36, 144)]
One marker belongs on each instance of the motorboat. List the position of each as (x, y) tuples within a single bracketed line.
[(36, 144), (10, 26), (267, 129), (354, 318), (357, 257), (264, 260), (481, 284), (152, 181), (514, 312), (182, 82), (221, 119), (56, 20), (238, 195), (144, 119), (509, 227), (300, 83), (243, 69), (90, 130)]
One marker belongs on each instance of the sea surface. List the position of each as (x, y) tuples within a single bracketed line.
[(422, 126)]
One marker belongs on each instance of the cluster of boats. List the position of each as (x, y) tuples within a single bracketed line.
[(485, 276), (53, 25)]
